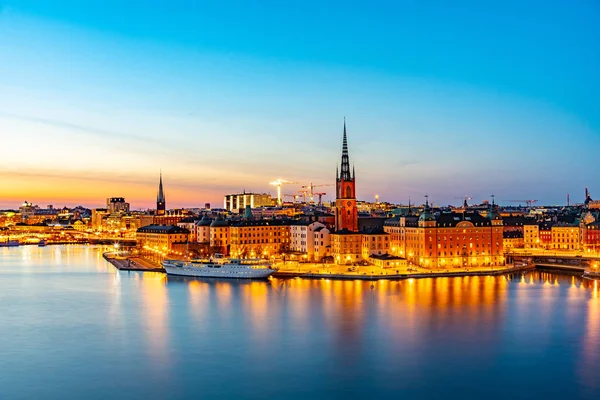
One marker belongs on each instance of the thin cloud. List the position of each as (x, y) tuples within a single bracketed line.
[(81, 128)]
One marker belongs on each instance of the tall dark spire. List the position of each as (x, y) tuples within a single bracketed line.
[(160, 198), (345, 170)]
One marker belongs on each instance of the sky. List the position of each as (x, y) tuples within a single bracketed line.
[(449, 99)]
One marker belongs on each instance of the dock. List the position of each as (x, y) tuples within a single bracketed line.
[(132, 263)]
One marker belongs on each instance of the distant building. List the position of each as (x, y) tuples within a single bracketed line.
[(117, 205), (27, 210), (236, 202)]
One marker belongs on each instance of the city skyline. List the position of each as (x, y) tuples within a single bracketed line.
[(94, 107)]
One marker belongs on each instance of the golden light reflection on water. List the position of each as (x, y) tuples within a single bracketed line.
[(199, 294), (591, 341), (154, 312), (255, 301)]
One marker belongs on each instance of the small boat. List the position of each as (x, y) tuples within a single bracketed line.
[(594, 276), (42, 243), (221, 267), (9, 243)]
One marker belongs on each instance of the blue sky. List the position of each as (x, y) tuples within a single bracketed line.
[(468, 98)]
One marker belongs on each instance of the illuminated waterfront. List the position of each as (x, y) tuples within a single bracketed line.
[(71, 324)]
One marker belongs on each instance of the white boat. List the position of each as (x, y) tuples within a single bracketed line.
[(220, 267)]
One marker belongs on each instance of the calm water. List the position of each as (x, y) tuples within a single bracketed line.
[(71, 326)]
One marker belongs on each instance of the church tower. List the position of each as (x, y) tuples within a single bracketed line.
[(346, 212), (160, 199)]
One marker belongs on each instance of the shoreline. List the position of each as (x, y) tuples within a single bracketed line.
[(143, 265), (397, 277)]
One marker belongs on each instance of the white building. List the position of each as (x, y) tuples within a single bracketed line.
[(236, 202), (310, 239), (203, 230)]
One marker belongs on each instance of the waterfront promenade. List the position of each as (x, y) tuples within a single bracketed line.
[(332, 271), (125, 263)]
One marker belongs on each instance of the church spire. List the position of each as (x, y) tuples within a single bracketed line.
[(160, 198), (345, 167)]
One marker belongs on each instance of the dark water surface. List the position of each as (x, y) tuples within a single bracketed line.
[(71, 326)]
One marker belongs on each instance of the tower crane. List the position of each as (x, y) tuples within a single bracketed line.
[(279, 183), (311, 187), (302, 193), (320, 194), (293, 196)]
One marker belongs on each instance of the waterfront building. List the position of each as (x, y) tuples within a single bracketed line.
[(161, 204), (306, 237), (262, 238), (239, 201), (375, 242), (346, 246), (565, 236), (219, 236), (161, 238), (448, 239), (203, 230), (590, 237), (322, 243), (513, 240), (387, 261)]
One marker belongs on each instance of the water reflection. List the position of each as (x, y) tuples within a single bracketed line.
[(154, 313), (154, 336)]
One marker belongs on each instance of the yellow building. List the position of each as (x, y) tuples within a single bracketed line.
[(513, 240), (219, 236), (346, 247), (531, 236), (375, 243), (262, 238), (448, 239), (161, 238), (566, 237)]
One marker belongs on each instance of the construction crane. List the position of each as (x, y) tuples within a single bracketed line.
[(320, 194), (311, 187), (528, 202), (279, 183), (294, 196), (302, 193)]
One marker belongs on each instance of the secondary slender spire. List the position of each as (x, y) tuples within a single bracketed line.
[(160, 198)]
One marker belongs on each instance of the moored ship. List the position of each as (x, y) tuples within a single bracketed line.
[(9, 243), (220, 267)]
